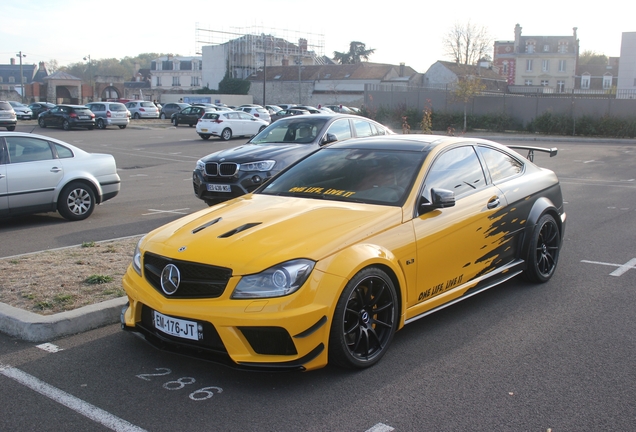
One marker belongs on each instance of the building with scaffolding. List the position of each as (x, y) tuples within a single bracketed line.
[(242, 53)]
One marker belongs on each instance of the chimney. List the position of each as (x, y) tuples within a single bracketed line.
[(517, 37), (12, 61), (401, 69)]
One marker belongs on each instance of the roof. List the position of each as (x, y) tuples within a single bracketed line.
[(463, 70), (7, 71), (599, 70), (358, 71), (59, 75)]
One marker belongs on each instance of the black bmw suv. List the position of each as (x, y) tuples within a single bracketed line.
[(230, 173)]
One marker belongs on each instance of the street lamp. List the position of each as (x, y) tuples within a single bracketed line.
[(90, 72), (19, 54)]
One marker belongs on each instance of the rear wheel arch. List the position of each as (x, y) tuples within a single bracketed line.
[(541, 206)]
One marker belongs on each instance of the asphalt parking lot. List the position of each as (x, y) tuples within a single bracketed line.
[(558, 356)]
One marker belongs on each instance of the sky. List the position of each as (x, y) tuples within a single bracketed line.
[(408, 31)]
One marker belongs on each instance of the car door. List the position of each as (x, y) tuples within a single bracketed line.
[(32, 174), (4, 199), (247, 125), (183, 114), (455, 244)]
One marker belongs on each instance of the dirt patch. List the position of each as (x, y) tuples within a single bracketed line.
[(65, 279)]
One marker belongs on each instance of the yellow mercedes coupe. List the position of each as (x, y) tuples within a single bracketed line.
[(329, 258)]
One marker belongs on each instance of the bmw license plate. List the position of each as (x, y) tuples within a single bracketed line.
[(219, 188), (176, 327)]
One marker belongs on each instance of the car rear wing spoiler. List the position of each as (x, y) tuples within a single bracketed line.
[(553, 151)]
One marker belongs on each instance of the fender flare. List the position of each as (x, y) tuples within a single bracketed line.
[(541, 206)]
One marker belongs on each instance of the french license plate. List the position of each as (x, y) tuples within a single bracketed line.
[(204, 130), (84, 117), (219, 188), (176, 327)]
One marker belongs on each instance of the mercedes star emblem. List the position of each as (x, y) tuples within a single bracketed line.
[(170, 279)]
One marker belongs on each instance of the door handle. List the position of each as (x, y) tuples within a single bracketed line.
[(494, 202), (56, 169)]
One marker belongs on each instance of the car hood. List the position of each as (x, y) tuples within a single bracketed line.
[(254, 232), (257, 152)]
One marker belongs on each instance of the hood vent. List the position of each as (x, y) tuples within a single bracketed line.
[(202, 227), (239, 229)]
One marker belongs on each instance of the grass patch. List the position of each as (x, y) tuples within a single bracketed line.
[(98, 279)]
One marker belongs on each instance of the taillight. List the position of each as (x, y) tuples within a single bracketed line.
[(141, 109), (108, 114), (73, 115), (218, 121), (256, 115)]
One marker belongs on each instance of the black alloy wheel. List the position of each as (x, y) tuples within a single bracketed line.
[(66, 125), (543, 254), (41, 122), (365, 320)]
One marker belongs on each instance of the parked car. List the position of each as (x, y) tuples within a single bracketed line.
[(190, 115), (258, 112), (329, 259), (68, 117), (230, 173), (272, 109), (228, 124), (286, 106), (39, 107), (142, 109), (311, 109), (109, 114), (340, 109), (42, 174), (22, 111), (8, 119), (288, 113), (170, 108)]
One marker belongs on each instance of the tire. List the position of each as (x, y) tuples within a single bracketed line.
[(175, 122), (100, 124), (122, 126), (10, 128), (261, 129), (162, 116), (365, 320), (543, 252), (66, 125), (136, 116), (76, 201), (41, 123), (190, 125), (226, 135), (204, 136)]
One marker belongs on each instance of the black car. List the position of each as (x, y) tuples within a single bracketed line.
[(190, 115), (40, 107), (68, 117), (170, 108), (230, 173)]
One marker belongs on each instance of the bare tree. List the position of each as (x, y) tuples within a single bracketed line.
[(467, 43)]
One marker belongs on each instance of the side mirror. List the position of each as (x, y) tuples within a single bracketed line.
[(442, 198), (329, 138)]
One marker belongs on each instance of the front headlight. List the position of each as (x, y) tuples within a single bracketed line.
[(200, 165), (136, 261), (280, 280), (265, 165)]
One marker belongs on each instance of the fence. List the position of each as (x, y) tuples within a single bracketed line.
[(521, 107)]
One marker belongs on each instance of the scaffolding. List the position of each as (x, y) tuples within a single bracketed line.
[(249, 49)]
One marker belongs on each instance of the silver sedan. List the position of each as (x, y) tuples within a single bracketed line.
[(41, 174)]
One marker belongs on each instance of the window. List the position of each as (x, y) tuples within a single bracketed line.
[(194, 81), (585, 81), (563, 47), (153, 65), (561, 86), (529, 65), (363, 128), (340, 128), (528, 82), (562, 65), (530, 47), (11, 79), (607, 82), (545, 65), (175, 81), (185, 65), (546, 48), (166, 65), (500, 165), (158, 81), (63, 152), (27, 149), (505, 68), (457, 170), (545, 83)]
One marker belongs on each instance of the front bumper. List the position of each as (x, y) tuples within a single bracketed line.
[(284, 333), (241, 184)]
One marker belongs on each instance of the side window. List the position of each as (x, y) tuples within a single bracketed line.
[(363, 128), (340, 128), (63, 152), (457, 170), (500, 165), (27, 149)]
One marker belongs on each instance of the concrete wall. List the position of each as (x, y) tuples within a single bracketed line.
[(207, 98), (522, 108)]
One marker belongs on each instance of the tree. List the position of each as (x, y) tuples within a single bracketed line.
[(592, 58), (467, 88), (52, 66), (356, 54), (467, 43)]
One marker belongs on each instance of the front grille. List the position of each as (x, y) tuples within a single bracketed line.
[(197, 280), (269, 340), (225, 169)]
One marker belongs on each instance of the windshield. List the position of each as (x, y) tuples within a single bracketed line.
[(360, 175), (300, 130)]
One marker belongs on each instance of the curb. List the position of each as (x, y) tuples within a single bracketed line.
[(32, 327)]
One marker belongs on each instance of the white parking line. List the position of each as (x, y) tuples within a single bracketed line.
[(380, 427), (622, 268), (176, 211), (81, 407)]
